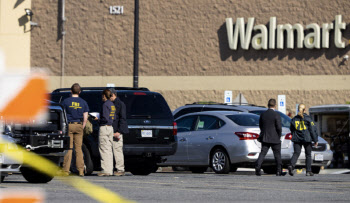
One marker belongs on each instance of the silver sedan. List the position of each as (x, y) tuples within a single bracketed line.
[(222, 140)]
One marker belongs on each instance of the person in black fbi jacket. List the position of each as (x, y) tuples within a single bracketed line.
[(120, 128), (304, 132), (107, 117), (270, 136)]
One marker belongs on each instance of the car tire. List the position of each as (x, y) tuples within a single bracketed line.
[(233, 169), (144, 168), (155, 169), (315, 169), (142, 171), (270, 169), (220, 162), (34, 176), (2, 179), (199, 169), (180, 168)]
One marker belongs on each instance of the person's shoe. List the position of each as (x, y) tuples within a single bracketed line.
[(278, 173), (258, 172), (291, 170), (103, 174), (63, 173), (81, 175), (119, 173), (309, 173)]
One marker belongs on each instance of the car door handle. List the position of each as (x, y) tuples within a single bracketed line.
[(183, 139), (210, 138)]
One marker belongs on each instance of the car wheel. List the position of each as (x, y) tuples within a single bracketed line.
[(2, 179), (199, 169), (220, 162), (315, 169), (270, 169), (34, 176)]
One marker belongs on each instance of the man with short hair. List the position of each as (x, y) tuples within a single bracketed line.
[(120, 128), (270, 136), (77, 113)]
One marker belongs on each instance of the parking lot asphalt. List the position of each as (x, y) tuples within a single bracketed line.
[(242, 186)]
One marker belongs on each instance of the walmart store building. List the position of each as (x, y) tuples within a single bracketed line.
[(194, 50)]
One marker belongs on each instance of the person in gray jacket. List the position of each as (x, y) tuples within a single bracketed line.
[(303, 134)]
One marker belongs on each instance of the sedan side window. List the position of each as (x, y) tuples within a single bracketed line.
[(185, 124), (207, 123)]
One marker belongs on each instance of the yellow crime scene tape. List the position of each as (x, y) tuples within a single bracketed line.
[(23, 97), (43, 165)]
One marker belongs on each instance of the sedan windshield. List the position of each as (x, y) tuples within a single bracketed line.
[(245, 119)]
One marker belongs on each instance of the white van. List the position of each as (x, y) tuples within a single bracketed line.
[(332, 123)]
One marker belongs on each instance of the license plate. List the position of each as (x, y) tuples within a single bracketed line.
[(318, 157), (146, 133)]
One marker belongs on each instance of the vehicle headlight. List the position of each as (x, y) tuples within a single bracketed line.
[(328, 147)]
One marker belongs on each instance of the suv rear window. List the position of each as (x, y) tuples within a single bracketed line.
[(145, 105), (245, 120)]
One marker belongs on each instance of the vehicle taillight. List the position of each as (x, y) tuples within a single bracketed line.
[(247, 135), (139, 93), (174, 128), (288, 136)]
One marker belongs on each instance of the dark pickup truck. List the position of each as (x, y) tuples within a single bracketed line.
[(47, 137)]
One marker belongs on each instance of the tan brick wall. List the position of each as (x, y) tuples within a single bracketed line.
[(188, 38), (15, 36), (179, 98), (97, 44), (180, 37)]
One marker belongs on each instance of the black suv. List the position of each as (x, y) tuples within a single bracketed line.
[(151, 125), (48, 138)]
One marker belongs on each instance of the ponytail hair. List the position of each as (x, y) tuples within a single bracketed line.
[(301, 109), (107, 93)]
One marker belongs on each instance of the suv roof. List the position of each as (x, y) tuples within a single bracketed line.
[(149, 105), (102, 88), (217, 113), (217, 103), (213, 106)]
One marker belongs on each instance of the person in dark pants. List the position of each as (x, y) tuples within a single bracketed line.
[(303, 133), (120, 128), (77, 113), (270, 136)]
